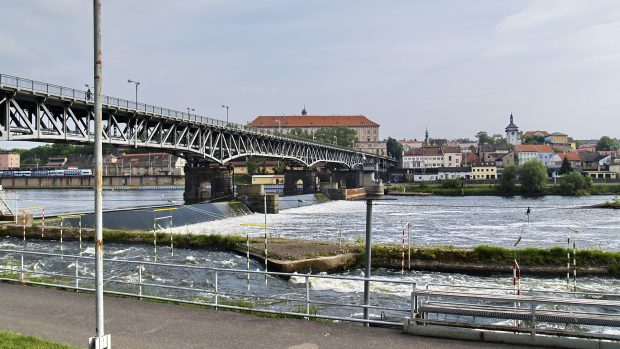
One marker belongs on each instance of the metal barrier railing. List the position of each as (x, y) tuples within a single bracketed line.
[(534, 314), (67, 92), (77, 279)]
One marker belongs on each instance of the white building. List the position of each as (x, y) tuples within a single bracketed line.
[(432, 157), (527, 152)]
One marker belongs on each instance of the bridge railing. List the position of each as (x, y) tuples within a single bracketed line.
[(67, 92)]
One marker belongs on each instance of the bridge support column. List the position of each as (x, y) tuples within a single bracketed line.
[(198, 180), (348, 178), (307, 176)]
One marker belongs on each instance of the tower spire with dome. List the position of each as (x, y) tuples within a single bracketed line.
[(512, 132)]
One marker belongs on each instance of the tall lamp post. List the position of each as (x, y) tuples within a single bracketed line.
[(189, 110), (101, 340), (137, 83), (227, 107)]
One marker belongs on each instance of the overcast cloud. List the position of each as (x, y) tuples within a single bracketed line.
[(455, 66)]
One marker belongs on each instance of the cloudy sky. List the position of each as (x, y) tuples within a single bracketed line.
[(456, 67)]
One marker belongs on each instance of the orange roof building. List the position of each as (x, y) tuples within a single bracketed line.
[(367, 130)]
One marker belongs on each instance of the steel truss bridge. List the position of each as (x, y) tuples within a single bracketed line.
[(38, 111)]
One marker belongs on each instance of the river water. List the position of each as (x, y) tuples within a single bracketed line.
[(456, 221)]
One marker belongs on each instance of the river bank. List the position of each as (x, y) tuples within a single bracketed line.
[(474, 189), (303, 256)]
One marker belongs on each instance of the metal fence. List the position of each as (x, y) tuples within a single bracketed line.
[(216, 291), (591, 315), (67, 92)]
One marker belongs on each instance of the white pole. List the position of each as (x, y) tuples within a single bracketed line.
[(402, 255), (409, 244), (62, 220), (574, 267), (266, 255), (568, 263), (16, 208), (101, 338), (247, 258), (80, 232), (171, 246)]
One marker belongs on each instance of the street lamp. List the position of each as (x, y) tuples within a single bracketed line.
[(88, 93), (189, 110), (225, 106), (137, 83)]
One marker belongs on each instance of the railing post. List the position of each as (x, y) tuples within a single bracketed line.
[(21, 274), (533, 326), (140, 281), (414, 300), (77, 272), (307, 295), (216, 291)]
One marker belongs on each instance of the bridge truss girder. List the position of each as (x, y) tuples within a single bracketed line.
[(31, 116)]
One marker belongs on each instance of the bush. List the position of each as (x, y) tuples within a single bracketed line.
[(454, 183), (533, 177), (575, 184)]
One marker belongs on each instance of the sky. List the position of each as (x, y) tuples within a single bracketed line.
[(456, 67)]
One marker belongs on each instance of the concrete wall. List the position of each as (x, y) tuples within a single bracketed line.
[(67, 182)]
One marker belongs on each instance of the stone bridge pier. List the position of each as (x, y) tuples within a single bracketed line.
[(307, 176), (199, 179)]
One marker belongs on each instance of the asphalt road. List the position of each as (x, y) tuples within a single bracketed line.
[(69, 317)]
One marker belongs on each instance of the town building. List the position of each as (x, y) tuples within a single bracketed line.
[(484, 171), (501, 153), (512, 132), (556, 161), (366, 129), (9, 160), (536, 134), (560, 141), (432, 157), (409, 144), (527, 152)]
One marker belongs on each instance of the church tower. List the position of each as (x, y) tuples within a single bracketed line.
[(512, 132)]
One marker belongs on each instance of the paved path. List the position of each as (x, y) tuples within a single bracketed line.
[(68, 317)]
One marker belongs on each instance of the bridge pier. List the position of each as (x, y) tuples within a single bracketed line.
[(198, 179), (307, 176)]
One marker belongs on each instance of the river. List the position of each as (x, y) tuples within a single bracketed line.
[(456, 221)]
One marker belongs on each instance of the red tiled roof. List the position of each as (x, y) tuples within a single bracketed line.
[(538, 148), (313, 121), (570, 156), (471, 157)]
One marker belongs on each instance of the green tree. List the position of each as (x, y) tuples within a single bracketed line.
[(566, 167), (280, 168), (343, 135), (483, 137), (394, 148), (533, 177), (507, 182), (575, 184), (607, 143), (533, 140), (299, 132)]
